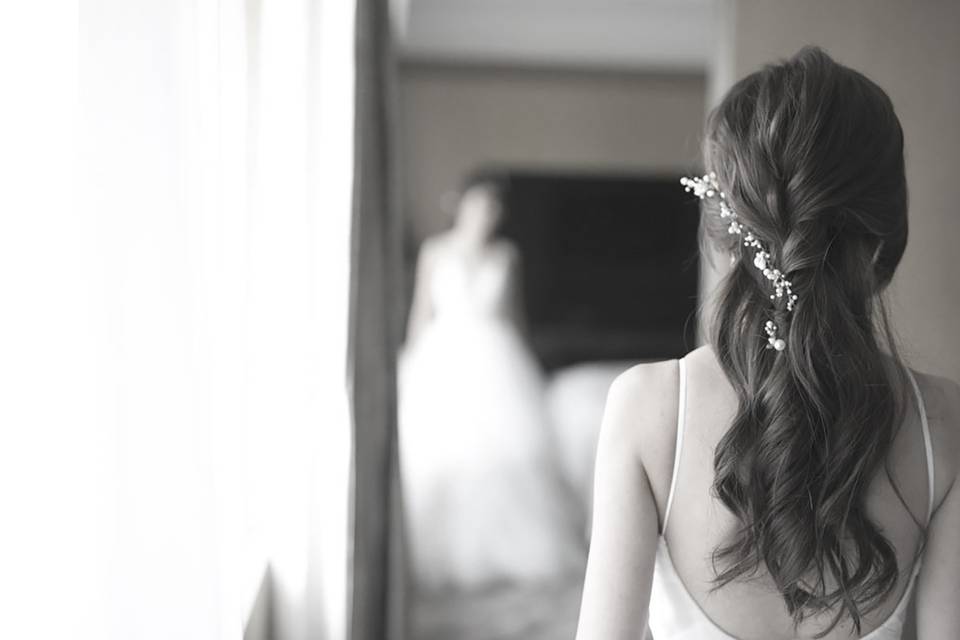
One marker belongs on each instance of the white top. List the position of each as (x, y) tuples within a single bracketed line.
[(458, 290), (676, 615)]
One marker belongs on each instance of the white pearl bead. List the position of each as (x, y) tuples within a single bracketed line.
[(779, 344)]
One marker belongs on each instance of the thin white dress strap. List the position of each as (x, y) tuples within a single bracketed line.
[(681, 422), (927, 444)]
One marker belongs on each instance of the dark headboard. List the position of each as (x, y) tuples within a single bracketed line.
[(610, 264)]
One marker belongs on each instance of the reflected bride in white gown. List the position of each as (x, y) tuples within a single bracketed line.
[(482, 495)]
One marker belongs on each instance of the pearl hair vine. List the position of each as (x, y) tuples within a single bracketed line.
[(707, 187)]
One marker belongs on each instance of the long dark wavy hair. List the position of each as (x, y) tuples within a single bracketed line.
[(810, 156)]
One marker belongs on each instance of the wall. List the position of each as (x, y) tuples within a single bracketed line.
[(456, 117), (607, 34), (911, 50)]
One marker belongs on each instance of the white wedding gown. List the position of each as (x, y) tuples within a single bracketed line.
[(482, 496)]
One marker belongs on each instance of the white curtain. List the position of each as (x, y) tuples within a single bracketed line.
[(215, 162)]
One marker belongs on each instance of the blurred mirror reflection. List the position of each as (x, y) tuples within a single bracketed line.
[(548, 248)]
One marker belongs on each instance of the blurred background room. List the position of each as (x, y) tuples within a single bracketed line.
[(331, 341)]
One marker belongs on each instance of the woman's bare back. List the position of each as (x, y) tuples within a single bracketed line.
[(644, 417)]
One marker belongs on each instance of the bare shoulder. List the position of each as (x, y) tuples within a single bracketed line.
[(941, 396), (435, 244), (941, 399), (641, 412), (939, 586), (642, 389)]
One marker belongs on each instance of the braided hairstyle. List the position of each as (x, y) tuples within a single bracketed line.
[(810, 155)]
